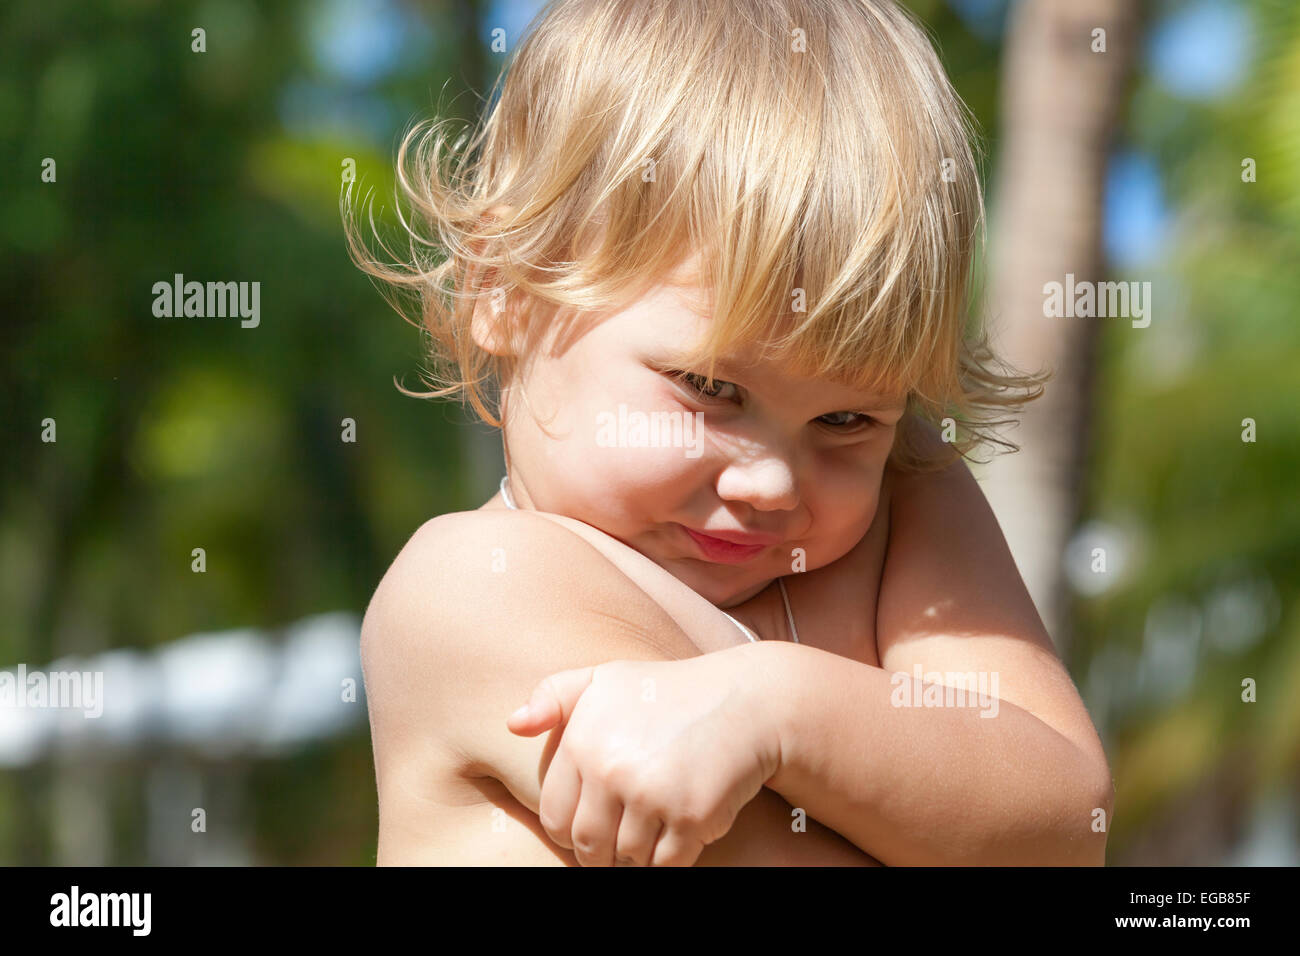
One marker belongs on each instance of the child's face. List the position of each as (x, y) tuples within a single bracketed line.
[(759, 463)]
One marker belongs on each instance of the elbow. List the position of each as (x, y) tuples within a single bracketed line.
[(1084, 825), (1101, 814), (1076, 833), (1087, 807)]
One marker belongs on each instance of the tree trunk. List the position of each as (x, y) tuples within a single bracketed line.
[(1060, 102)]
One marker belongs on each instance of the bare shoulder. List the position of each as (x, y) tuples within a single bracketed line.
[(475, 610), (476, 565), (484, 596)]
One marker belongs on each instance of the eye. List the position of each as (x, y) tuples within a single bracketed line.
[(854, 422), (843, 423), (697, 383)]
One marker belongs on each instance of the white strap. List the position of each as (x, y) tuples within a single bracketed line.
[(753, 638), (789, 615)]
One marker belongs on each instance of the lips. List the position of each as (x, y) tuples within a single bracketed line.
[(734, 548), (737, 537)]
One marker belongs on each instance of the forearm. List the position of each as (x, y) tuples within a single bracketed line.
[(918, 785)]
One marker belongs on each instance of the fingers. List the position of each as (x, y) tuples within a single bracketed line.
[(551, 703), (676, 848), (561, 789), (637, 834), (596, 825), (590, 819)]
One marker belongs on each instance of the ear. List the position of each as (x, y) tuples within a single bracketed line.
[(487, 326)]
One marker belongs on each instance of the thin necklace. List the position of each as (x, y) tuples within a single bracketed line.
[(789, 615), (506, 495), (509, 499)]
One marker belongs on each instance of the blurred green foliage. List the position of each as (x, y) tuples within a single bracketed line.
[(181, 433), (1214, 520)]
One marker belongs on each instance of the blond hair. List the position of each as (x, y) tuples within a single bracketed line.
[(813, 152)]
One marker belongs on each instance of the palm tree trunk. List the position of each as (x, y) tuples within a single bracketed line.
[(1060, 102)]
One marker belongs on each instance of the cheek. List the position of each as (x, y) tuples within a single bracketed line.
[(638, 437), (848, 506), (625, 487), (604, 460), (658, 475)]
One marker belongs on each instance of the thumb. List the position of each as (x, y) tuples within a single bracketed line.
[(552, 702)]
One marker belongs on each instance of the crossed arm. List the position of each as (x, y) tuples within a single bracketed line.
[(1016, 777), (449, 648), (911, 784), (968, 746)]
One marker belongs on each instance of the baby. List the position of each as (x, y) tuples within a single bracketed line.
[(712, 256)]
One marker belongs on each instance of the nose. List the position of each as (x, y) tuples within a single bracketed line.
[(767, 483)]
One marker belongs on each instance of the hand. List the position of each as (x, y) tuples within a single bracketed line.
[(656, 758)]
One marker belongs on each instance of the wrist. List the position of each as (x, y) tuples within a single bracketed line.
[(768, 691)]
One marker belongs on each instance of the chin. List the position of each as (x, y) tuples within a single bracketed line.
[(718, 592)]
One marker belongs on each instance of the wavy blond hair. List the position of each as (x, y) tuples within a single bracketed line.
[(813, 152)]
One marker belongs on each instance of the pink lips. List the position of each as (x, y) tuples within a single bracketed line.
[(735, 549)]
